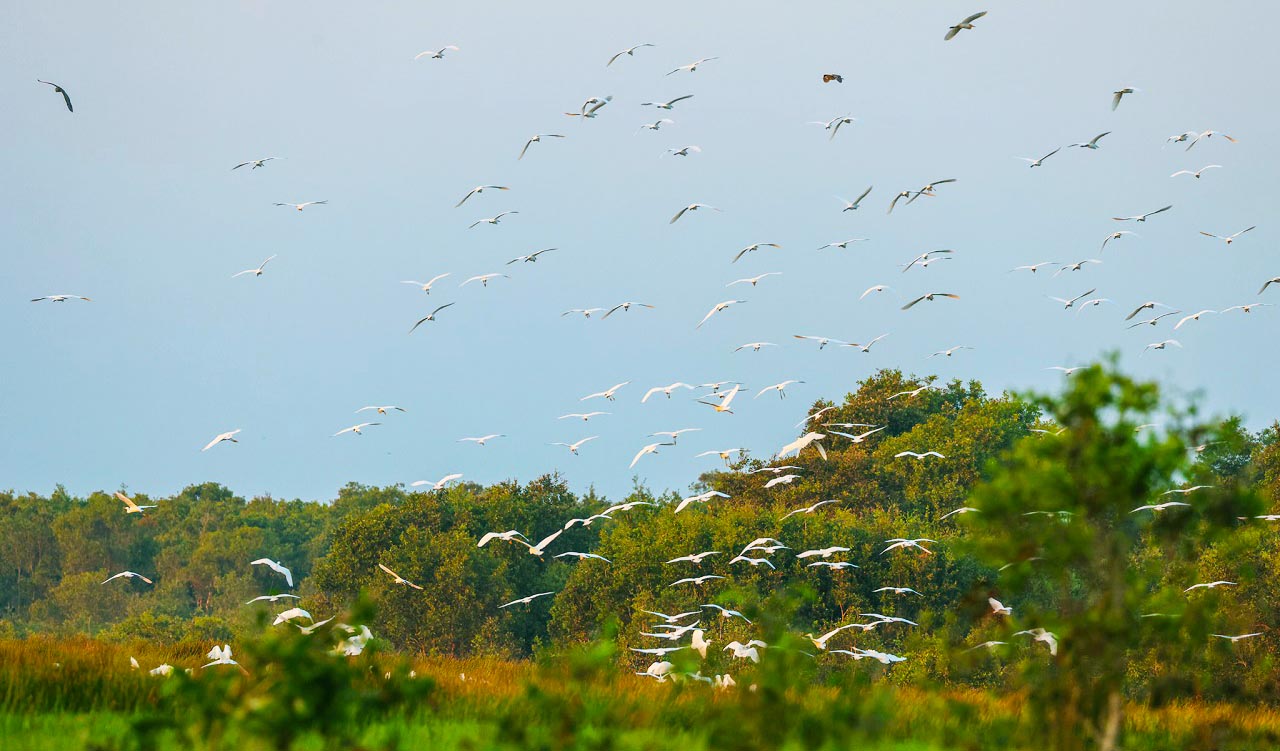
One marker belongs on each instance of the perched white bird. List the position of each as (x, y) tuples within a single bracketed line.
[(228, 436), (356, 429), (129, 506), (127, 575), (255, 271), (398, 578), (275, 566), (629, 52), (965, 24), (437, 484), (690, 207), (435, 54), (536, 138)]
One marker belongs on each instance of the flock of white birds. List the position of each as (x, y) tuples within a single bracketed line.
[(722, 396)]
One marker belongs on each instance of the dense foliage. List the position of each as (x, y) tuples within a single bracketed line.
[(196, 546)]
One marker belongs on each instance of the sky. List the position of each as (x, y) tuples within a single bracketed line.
[(131, 200)]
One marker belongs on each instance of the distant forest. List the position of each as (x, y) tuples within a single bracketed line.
[(56, 551)]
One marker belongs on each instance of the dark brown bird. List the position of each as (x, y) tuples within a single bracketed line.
[(829, 77)]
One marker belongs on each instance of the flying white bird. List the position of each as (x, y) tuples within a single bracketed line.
[(822, 552), (510, 535), (129, 506), (435, 54), (426, 286), (1268, 283), (1163, 344), (1141, 217), (291, 614), (695, 580), (573, 447), (1118, 95), (255, 162), (1246, 308), (437, 484), (753, 280), (699, 498), (810, 509), (1196, 174), (482, 440), (726, 398), (930, 296), (255, 271), (1033, 267), (722, 453), (536, 138), (876, 288), (859, 438), (1185, 491), (484, 279), (624, 307), (219, 655), (525, 600), (1076, 266), (667, 105), (591, 107), (1092, 143), (127, 575), (781, 480), (727, 613), (382, 410), (1039, 162), (275, 566), (356, 429), (228, 436), (1192, 317), (60, 298), (398, 578), (691, 67), (1159, 506), (914, 455), (833, 125), (581, 556), (1209, 134), (1210, 585), (492, 219), (684, 150), (652, 448), (608, 393), (999, 608), (718, 307), (781, 388), (690, 207), (480, 189), (656, 125), (301, 206), (1235, 639), (950, 351), (674, 435), (271, 598), (961, 510), (965, 24), (629, 52), (584, 416), (1067, 304), (1229, 238), (752, 248)]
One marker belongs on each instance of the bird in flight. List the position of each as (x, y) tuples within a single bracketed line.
[(482, 440), (753, 280), (1093, 143), (255, 272), (652, 448), (1116, 96), (1039, 162), (129, 506), (914, 455), (492, 219), (484, 278), (930, 296), (629, 52), (1141, 217), (356, 429), (1193, 317), (690, 207), (1196, 174), (228, 436), (479, 189), (536, 138), (429, 317), (752, 248), (965, 24), (436, 54), (573, 447), (255, 162), (1163, 345), (398, 578), (426, 286), (718, 307), (275, 566), (531, 258), (1067, 304), (128, 575), (853, 205), (693, 66), (667, 105), (59, 90), (60, 298), (1229, 238), (437, 484), (301, 206), (624, 307), (1115, 236), (608, 393)]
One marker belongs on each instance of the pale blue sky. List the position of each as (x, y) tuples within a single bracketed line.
[(131, 201)]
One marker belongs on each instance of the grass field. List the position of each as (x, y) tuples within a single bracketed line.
[(82, 694)]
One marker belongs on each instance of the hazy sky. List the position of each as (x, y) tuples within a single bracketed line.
[(131, 201)]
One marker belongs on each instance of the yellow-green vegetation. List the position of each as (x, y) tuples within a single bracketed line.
[(1133, 661)]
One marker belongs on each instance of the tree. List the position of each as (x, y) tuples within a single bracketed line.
[(1090, 569)]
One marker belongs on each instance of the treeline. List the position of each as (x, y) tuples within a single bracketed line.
[(196, 546)]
